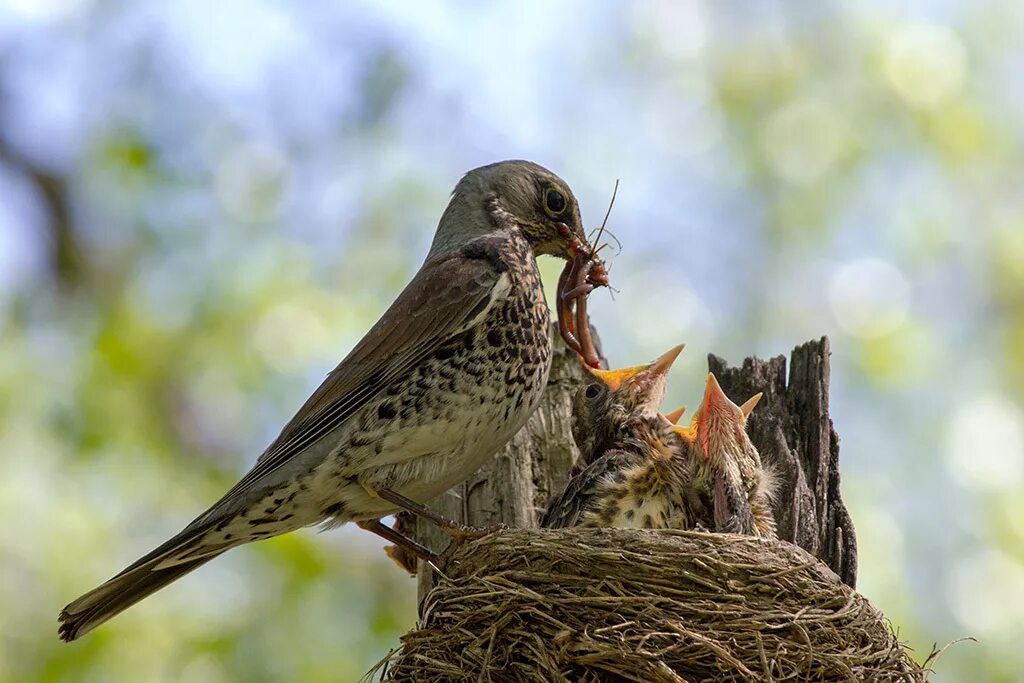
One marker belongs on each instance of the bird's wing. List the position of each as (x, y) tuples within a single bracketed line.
[(445, 298), (581, 492)]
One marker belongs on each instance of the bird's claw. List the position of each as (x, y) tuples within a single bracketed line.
[(403, 558), (460, 534)]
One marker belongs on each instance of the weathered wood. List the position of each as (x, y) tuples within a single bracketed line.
[(794, 434)]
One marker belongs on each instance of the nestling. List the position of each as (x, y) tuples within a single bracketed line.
[(728, 468), (639, 471)]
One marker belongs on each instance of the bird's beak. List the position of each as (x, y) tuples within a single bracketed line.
[(675, 415), (614, 378), (661, 366), (748, 405), (714, 404), (642, 376), (641, 388), (686, 432), (714, 397)]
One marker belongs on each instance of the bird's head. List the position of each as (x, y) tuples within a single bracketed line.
[(612, 397), (719, 425), (513, 195)]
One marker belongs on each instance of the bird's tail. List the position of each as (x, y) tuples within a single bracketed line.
[(118, 594), (150, 573)]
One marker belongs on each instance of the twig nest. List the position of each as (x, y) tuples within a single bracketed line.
[(630, 605)]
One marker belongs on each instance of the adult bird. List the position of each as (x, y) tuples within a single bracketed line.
[(639, 468), (728, 468), (447, 375)]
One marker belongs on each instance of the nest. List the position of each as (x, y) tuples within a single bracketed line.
[(630, 605)]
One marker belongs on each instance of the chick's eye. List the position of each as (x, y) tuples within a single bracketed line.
[(592, 391), (554, 202)]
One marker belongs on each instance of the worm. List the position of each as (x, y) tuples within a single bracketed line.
[(581, 275)]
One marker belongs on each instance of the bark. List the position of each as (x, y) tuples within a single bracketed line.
[(790, 427), (794, 434)]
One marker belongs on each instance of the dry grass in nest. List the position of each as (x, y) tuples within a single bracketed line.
[(627, 605)]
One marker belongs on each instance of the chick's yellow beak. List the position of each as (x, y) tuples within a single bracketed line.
[(687, 433), (639, 375), (615, 378)]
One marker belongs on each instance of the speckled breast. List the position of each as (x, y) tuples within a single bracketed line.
[(455, 410), (497, 372)]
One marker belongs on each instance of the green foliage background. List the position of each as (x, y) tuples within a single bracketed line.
[(204, 205)]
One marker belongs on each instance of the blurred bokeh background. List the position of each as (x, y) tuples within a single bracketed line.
[(203, 205)]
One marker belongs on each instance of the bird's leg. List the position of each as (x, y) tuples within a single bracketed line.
[(401, 540), (458, 532), (404, 524)]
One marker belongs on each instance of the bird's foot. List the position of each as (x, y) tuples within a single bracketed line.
[(450, 527), (463, 533), (458, 532), (405, 525), (401, 556), (403, 545)]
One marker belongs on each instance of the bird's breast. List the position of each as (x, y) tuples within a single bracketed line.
[(434, 427)]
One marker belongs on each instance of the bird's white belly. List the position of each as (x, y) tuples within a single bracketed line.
[(444, 458), (421, 462)]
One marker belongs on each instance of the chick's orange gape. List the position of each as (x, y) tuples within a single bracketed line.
[(583, 273)]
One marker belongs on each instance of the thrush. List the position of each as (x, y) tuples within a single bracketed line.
[(728, 468), (612, 399), (447, 375), (639, 471)]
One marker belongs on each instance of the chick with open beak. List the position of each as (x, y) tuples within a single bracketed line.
[(728, 468), (614, 398), (638, 469)]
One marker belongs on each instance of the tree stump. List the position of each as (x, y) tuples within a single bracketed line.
[(794, 434), (636, 605)]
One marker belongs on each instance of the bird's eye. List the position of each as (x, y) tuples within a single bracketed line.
[(593, 390), (554, 202)]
